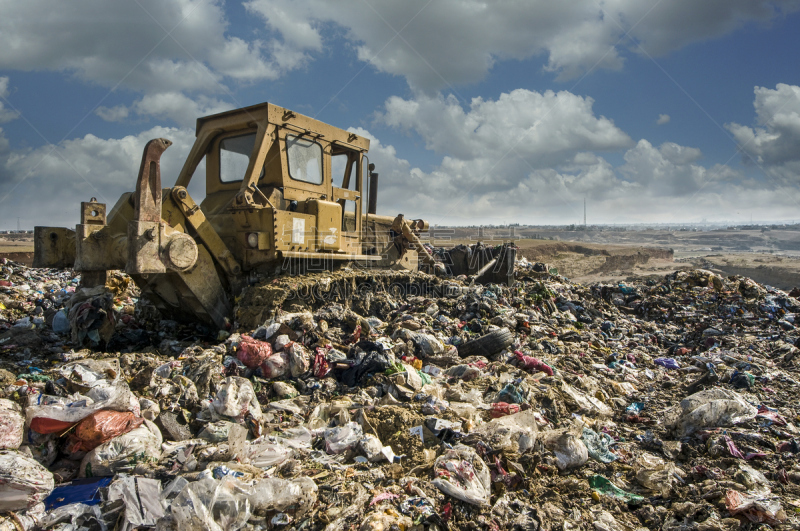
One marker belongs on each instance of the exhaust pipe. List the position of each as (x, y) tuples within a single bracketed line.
[(372, 204)]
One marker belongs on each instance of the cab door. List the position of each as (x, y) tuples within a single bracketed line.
[(347, 191)]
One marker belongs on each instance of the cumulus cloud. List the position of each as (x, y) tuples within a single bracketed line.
[(174, 106), (181, 109), (148, 45), (664, 182), (498, 167), (6, 115), (774, 143), (112, 114), (663, 119), (47, 183), (544, 128), (458, 41)]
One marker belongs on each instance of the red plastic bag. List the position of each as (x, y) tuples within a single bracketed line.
[(44, 425), (321, 368), (101, 427), (253, 352), (502, 409), (532, 364)]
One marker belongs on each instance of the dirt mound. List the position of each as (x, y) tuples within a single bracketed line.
[(22, 258)]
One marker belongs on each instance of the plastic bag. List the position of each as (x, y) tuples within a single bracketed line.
[(585, 402), (12, 425), (275, 494), (210, 504), (264, 454), (570, 451), (655, 474), (123, 453), (532, 364), (142, 501), (298, 358), (275, 365), (513, 433), (364, 363), (83, 375), (502, 409), (253, 352), (463, 372), (758, 510), (61, 322), (79, 491), (23, 481), (216, 432), (604, 486), (54, 414), (78, 515), (101, 427), (283, 390), (339, 440), (460, 473), (667, 363), (428, 344), (235, 399), (711, 408)]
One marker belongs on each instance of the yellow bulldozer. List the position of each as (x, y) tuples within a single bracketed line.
[(283, 191)]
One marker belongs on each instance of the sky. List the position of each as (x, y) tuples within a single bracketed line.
[(512, 111)]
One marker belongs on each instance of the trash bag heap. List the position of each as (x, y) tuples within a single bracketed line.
[(403, 404)]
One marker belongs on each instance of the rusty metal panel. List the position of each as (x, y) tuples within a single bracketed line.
[(53, 247), (294, 231), (329, 224)]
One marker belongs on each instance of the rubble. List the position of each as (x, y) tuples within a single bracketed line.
[(388, 400)]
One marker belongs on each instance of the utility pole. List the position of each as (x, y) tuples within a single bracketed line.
[(584, 212)]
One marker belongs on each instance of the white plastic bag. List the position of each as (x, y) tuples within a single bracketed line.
[(569, 450), (275, 494), (462, 474), (212, 505), (340, 439), (513, 433), (711, 408), (298, 359), (655, 474), (263, 453), (12, 425), (23, 481), (235, 400)]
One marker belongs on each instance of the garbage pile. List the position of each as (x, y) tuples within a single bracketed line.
[(406, 404)]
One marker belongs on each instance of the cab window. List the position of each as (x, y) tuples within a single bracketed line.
[(305, 160), (234, 156)]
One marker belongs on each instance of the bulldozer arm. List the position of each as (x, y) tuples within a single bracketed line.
[(148, 236)]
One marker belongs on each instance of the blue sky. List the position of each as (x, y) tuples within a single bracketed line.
[(654, 111)]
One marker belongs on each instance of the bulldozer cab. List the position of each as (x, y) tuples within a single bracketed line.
[(282, 181)]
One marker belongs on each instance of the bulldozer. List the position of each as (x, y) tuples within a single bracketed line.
[(283, 192)]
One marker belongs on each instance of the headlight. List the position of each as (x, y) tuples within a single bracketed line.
[(252, 240)]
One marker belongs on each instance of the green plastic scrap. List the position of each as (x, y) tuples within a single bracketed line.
[(395, 368), (425, 378), (31, 377), (604, 486)]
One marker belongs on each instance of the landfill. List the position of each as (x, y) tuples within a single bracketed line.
[(392, 400)]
